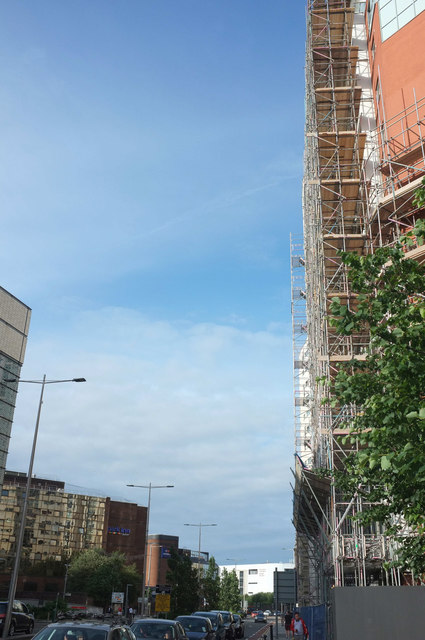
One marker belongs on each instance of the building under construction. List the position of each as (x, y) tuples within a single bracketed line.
[(364, 160)]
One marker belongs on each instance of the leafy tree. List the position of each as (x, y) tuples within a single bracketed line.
[(98, 574), (183, 579), (230, 597), (261, 600), (387, 466), (48, 567), (211, 585)]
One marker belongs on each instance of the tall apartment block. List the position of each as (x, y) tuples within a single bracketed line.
[(14, 325), (364, 160), (60, 523)]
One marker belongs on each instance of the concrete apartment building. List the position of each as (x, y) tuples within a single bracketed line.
[(364, 159), (14, 325), (60, 523)]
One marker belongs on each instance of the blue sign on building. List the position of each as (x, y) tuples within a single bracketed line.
[(119, 531)]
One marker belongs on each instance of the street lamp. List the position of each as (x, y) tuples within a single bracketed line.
[(65, 580), (149, 486), (20, 540), (200, 525), (126, 599)]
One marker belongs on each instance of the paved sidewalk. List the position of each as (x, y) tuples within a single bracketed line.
[(264, 630)]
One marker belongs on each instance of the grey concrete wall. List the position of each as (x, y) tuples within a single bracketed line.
[(375, 613)]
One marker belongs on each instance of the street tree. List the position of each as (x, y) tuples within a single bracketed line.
[(98, 574), (48, 567), (262, 600), (183, 579), (211, 585), (230, 597), (387, 464)]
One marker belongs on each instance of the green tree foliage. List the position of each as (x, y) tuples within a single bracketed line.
[(419, 199), (48, 567), (211, 585), (183, 579), (230, 597), (262, 600), (98, 574), (387, 466)]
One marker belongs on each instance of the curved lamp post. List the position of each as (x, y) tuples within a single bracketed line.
[(20, 540), (200, 525), (149, 486)]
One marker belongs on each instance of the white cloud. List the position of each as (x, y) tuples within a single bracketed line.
[(202, 407)]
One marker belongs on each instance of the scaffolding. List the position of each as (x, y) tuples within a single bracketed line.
[(359, 183)]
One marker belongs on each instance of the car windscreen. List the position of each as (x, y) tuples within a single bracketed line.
[(193, 624), (210, 616), (158, 631), (73, 632), (226, 617)]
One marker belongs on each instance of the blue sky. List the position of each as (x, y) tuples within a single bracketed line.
[(152, 163)]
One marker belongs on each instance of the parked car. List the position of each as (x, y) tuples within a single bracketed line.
[(197, 627), (267, 612), (239, 626), (84, 630), (21, 620), (216, 621), (158, 629), (229, 623), (260, 617)]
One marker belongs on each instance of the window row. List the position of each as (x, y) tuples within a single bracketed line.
[(395, 14)]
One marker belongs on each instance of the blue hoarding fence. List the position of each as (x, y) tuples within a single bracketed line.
[(315, 619)]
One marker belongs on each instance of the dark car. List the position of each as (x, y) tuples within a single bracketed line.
[(158, 629), (216, 621), (197, 627), (84, 630), (229, 623), (21, 620), (239, 626), (260, 617)]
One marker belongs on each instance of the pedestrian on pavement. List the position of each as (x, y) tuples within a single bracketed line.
[(130, 614), (287, 619), (298, 627)]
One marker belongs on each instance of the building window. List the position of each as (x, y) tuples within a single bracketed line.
[(370, 8), (395, 14), (253, 572), (378, 92), (4, 492)]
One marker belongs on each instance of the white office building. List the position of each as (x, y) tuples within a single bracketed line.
[(256, 578)]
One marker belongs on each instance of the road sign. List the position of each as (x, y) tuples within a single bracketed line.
[(284, 587), (162, 602), (117, 597)]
